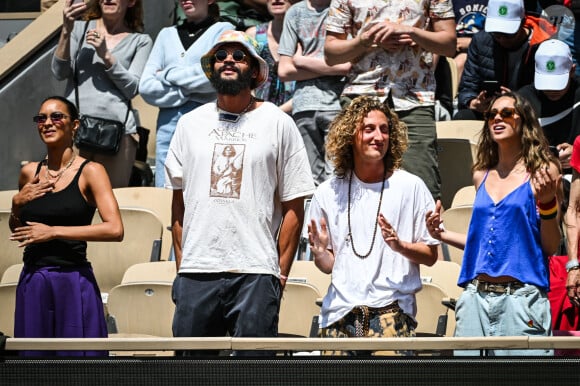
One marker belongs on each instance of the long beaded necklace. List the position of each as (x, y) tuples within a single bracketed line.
[(57, 176), (349, 238), (232, 117)]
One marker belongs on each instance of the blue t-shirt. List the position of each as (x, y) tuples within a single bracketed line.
[(469, 16)]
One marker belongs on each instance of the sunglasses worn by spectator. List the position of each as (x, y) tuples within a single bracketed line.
[(237, 55), (506, 112), (54, 117)]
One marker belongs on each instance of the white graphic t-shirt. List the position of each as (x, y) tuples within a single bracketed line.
[(234, 177)]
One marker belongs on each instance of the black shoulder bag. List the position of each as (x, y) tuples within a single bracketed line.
[(96, 134)]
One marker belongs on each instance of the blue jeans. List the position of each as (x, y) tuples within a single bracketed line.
[(526, 312), (166, 123)]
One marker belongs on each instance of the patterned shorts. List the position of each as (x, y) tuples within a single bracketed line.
[(362, 321)]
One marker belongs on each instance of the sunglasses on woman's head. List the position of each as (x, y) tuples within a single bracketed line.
[(54, 117), (506, 112), (237, 55)]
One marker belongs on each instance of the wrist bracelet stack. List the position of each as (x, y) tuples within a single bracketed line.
[(549, 210), (572, 265)]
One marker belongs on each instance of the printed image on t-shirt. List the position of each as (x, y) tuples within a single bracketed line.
[(469, 16), (226, 170)]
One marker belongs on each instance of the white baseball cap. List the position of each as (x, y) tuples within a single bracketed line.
[(504, 16), (553, 65)]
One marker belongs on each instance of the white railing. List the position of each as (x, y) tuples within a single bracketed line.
[(295, 344)]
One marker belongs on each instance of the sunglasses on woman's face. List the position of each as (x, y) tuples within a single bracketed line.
[(54, 117), (237, 55), (506, 112)]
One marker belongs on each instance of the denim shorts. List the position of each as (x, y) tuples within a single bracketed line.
[(525, 312)]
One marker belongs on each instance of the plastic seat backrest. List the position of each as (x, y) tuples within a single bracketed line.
[(297, 309), (153, 271), (457, 220), (142, 308), (305, 270), (11, 253), (141, 243)]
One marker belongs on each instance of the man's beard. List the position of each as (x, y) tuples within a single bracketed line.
[(231, 86)]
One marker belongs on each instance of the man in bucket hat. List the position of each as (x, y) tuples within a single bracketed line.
[(239, 174)]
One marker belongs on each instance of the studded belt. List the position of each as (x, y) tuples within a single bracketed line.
[(507, 288), (363, 315)]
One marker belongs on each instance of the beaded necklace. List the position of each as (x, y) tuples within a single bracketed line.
[(232, 117), (57, 176), (349, 239)]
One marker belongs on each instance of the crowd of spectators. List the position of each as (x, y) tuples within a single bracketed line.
[(340, 96)]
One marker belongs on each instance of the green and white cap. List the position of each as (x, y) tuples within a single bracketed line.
[(504, 16), (553, 65)]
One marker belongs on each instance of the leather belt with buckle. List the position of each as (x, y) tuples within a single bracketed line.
[(363, 314), (498, 288)]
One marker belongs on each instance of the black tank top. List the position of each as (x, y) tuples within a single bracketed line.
[(66, 207)]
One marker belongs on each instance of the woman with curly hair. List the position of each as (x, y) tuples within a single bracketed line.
[(374, 277), (103, 50), (514, 228)]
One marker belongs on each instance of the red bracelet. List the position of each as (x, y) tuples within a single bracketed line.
[(548, 205)]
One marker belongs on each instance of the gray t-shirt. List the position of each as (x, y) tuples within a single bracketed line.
[(307, 27)]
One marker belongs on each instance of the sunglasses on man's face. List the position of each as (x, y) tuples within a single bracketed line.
[(237, 55), (506, 112), (54, 117)]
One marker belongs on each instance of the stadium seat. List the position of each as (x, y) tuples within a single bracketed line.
[(298, 309), (142, 309), (456, 156), (142, 243), (157, 200), (153, 271), (457, 220), (8, 284), (6, 199), (460, 129), (306, 272), (11, 254), (432, 315), (464, 196)]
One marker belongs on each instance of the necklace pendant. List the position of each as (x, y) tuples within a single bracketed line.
[(348, 238)]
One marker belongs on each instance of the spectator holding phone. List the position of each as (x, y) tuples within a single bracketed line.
[(502, 52), (555, 96)]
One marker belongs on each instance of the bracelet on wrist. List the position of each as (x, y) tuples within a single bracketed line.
[(549, 210), (572, 264), (549, 216), (283, 277), (548, 205)]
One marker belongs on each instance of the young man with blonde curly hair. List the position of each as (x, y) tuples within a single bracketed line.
[(375, 272)]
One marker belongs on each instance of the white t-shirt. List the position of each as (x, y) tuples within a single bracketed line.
[(384, 276), (234, 177)]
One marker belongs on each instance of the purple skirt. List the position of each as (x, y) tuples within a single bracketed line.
[(56, 302)]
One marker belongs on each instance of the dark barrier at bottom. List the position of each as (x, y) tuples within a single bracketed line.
[(292, 371)]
